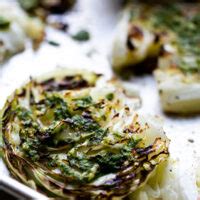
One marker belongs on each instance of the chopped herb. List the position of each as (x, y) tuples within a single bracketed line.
[(80, 162), (24, 115), (110, 162), (80, 123), (134, 142), (53, 43), (59, 106), (69, 171), (84, 102), (81, 36), (110, 96), (61, 112), (4, 23), (30, 148)]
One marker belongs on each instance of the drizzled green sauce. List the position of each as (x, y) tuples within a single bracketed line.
[(174, 18), (187, 29), (74, 129)]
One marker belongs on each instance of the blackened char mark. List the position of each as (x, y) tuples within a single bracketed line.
[(158, 36), (47, 82), (22, 93), (67, 83), (145, 151), (57, 6), (145, 67), (87, 115), (129, 44), (136, 32), (32, 98), (6, 116)]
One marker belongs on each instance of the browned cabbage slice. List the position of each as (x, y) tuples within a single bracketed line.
[(67, 137)]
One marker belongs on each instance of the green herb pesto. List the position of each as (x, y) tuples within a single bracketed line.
[(30, 148), (53, 43), (81, 36), (66, 126), (57, 104), (83, 124), (24, 115), (72, 128), (84, 102), (187, 29), (111, 162), (110, 96), (174, 18)]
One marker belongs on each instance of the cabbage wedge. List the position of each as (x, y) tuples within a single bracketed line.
[(163, 39), (16, 27), (72, 135)]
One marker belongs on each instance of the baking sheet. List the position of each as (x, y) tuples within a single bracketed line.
[(100, 18)]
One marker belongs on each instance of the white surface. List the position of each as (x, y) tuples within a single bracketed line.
[(100, 18)]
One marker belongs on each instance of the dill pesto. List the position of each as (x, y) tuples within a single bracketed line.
[(60, 138)]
